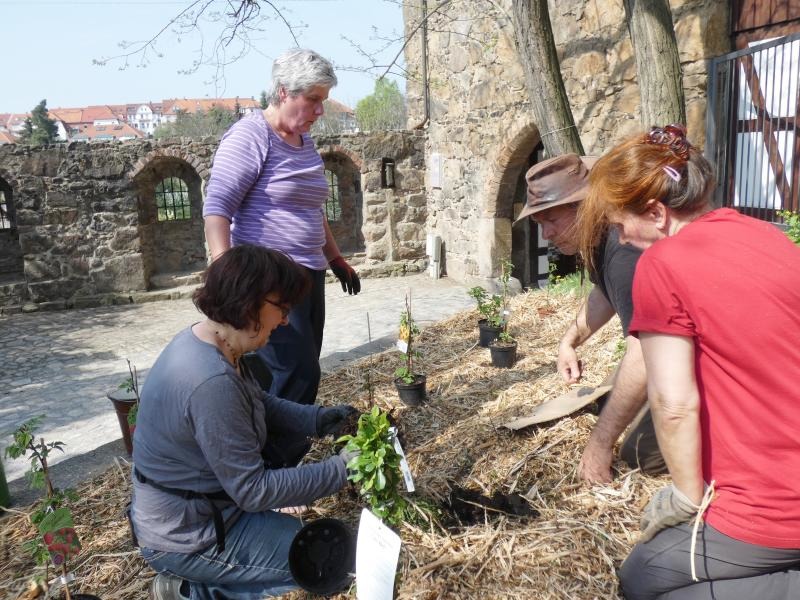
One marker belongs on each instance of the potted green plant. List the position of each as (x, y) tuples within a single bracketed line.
[(490, 309), (410, 385), (5, 495), (56, 541), (126, 404), (376, 470), (503, 350)]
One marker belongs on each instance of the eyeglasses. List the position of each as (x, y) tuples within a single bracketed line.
[(673, 136), (285, 310)]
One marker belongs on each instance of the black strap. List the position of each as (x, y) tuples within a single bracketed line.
[(216, 513)]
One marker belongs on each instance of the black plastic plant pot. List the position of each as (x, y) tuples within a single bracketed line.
[(487, 334), (322, 557), (504, 354), (411, 394)]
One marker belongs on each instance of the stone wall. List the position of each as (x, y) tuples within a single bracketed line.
[(481, 125), (393, 219), (88, 230)]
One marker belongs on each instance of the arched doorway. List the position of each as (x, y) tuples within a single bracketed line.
[(170, 207), (343, 206), (528, 249), (11, 264)]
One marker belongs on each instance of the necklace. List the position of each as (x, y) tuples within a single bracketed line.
[(234, 355)]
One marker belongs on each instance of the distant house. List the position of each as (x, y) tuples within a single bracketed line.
[(11, 126), (344, 115), (92, 123), (242, 106)]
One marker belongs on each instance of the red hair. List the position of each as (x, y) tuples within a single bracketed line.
[(660, 165)]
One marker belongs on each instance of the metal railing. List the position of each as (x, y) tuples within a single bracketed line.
[(752, 127)]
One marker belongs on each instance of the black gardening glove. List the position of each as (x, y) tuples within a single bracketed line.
[(330, 419), (346, 275)]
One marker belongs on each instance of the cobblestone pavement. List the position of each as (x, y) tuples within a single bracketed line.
[(62, 364)]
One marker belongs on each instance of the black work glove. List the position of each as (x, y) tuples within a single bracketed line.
[(330, 419), (346, 275)]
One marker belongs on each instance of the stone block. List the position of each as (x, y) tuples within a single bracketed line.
[(459, 59), (64, 216), (125, 240), (121, 273), (38, 270), (408, 232)]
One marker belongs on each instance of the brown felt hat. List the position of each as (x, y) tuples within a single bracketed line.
[(559, 180)]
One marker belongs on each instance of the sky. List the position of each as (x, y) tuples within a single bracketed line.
[(48, 50)]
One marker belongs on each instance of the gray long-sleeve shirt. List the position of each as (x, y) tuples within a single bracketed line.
[(201, 427)]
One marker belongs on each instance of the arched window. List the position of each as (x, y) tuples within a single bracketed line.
[(172, 200), (6, 210), (333, 210)]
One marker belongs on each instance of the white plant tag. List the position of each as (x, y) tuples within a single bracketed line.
[(377, 552), (402, 345), (404, 468)]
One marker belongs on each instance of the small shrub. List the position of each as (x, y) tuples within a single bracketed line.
[(376, 470), (792, 222), (490, 307)]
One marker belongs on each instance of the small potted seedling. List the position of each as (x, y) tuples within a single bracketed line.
[(376, 470), (56, 540), (490, 309), (504, 349), (126, 404), (410, 385)]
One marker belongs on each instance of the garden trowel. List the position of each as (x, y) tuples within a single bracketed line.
[(561, 406)]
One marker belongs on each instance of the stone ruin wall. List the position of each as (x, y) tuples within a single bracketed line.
[(482, 125), (86, 221)]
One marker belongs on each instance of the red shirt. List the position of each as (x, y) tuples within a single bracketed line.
[(732, 283)]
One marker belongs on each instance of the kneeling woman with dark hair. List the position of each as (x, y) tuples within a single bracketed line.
[(206, 481)]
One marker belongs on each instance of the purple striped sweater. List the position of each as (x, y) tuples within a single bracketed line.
[(272, 192)]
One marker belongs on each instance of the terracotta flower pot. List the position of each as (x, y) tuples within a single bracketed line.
[(123, 402)]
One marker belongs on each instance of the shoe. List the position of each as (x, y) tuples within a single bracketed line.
[(166, 587)]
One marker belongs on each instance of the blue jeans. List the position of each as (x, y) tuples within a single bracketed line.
[(255, 562)]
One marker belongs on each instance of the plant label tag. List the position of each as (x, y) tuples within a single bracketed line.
[(404, 468), (402, 345), (62, 580), (377, 552)]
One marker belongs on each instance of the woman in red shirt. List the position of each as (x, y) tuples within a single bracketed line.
[(716, 300)]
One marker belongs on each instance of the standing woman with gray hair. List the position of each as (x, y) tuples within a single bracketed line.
[(268, 187)]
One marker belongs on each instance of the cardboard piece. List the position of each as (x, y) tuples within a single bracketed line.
[(559, 407)]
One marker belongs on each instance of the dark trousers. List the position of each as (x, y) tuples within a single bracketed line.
[(288, 366), (291, 356), (640, 448), (727, 568)]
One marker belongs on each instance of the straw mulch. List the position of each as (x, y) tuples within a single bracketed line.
[(571, 550)]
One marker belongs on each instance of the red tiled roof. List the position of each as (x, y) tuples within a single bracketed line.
[(334, 106), (93, 132), (96, 113), (192, 105)]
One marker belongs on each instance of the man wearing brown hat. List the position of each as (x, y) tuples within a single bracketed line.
[(555, 189)]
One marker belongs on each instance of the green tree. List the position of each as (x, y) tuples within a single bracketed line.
[(199, 124), (39, 128), (384, 109), (262, 100)]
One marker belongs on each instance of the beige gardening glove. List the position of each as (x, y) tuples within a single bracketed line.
[(667, 508)]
